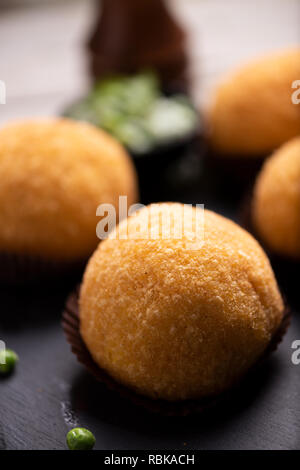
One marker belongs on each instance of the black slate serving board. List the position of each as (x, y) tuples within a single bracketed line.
[(50, 393)]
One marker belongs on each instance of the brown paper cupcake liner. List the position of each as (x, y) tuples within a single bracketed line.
[(26, 269), (71, 324), (287, 269)]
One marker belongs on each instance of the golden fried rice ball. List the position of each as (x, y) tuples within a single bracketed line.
[(54, 173), (253, 113), (276, 201), (177, 320)]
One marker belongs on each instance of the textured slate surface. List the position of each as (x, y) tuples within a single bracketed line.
[(50, 392)]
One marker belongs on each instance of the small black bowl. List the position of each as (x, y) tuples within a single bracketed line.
[(233, 174), (171, 169), (166, 172)]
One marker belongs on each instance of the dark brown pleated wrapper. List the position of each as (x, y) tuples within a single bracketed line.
[(18, 269), (287, 269), (71, 325)]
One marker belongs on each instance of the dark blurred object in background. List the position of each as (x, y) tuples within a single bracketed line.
[(131, 35), (160, 132)]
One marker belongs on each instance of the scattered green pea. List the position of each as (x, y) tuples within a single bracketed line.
[(80, 439), (8, 360)]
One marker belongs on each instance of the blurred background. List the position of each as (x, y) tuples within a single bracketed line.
[(43, 58), (50, 51)]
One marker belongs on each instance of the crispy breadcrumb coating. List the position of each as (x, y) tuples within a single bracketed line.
[(276, 201), (252, 113), (176, 323), (54, 173)]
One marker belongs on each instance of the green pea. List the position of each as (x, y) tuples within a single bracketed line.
[(80, 439), (8, 360)]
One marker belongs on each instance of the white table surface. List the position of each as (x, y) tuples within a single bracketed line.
[(42, 58)]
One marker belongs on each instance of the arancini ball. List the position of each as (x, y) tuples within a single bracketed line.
[(176, 320), (276, 201), (54, 173), (253, 113)]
